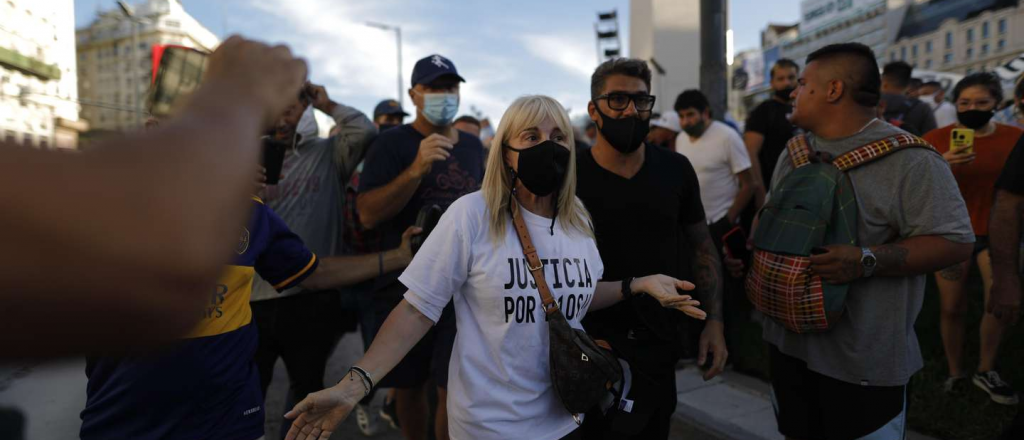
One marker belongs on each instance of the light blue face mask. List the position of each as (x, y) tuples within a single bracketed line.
[(440, 108)]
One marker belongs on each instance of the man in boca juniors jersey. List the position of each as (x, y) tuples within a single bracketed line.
[(206, 385)]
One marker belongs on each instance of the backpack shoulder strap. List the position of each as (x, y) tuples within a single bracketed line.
[(879, 149), (799, 150)]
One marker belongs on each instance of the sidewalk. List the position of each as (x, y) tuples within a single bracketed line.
[(731, 406)]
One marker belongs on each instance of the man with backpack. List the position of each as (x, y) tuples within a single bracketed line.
[(909, 113), (845, 375)]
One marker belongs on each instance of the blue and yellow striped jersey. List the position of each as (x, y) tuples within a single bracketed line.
[(205, 386)]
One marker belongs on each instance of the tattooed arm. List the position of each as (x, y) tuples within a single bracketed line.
[(707, 272), (707, 269), (912, 256)]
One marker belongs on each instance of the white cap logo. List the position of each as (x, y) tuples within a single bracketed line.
[(439, 62)]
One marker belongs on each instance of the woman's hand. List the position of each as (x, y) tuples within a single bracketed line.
[(316, 416), (961, 156), (664, 289)]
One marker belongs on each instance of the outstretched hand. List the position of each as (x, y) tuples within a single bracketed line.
[(665, 290), (319, 414)]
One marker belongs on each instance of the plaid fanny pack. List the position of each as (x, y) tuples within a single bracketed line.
[(812, 206)]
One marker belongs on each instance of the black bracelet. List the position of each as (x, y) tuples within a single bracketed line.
[(365, 375), (352, 375), (626, 291)]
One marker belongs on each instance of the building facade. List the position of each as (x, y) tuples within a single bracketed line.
[(115, 59), (38, 85), (668, 32), (961, 36)]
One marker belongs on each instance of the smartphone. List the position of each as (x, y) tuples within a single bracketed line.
[(179, 71), (962, 139), (736, 243), (273, 158)]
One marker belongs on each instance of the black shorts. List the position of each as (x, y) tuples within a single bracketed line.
[(980, 244), (429, 358), (811, 406)]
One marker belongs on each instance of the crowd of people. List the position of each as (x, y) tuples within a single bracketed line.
[(647, 228)]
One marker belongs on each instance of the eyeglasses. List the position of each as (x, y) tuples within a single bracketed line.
[(620, 101)]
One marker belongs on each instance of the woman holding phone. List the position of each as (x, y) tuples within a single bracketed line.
[(499, 384), (976, 149)]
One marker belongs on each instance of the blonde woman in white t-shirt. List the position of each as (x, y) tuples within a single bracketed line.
[(499, 385)]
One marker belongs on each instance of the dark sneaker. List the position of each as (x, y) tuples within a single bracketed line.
[(952, 384), (999, 391), (389, 413)]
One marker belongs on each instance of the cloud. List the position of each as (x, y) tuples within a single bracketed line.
[(570, 52)]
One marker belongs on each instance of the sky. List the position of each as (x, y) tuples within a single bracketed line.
[(504, 48)]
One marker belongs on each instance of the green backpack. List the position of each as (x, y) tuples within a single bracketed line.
[(813, 206)]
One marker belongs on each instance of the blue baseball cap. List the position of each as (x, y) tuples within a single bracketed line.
[(433, 67), (388, 107)]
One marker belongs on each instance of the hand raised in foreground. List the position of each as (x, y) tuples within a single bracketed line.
[(665, 290)]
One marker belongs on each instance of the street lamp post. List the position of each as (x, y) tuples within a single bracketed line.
[(398, 42)]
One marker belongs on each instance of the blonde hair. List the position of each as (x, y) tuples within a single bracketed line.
[(526, 112)]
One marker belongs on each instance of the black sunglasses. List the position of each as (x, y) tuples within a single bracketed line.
[(620, 101)]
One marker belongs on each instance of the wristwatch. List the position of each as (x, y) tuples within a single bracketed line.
[(868, 261)]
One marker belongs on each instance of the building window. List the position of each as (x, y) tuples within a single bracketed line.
[(903, 53), (970, 35), (927, 64), (984, 30), (913, 51), (1002, 26), (947, 59), (27, 140), (44, 143), (9, 137), (928, 47), (970, 53), (892, 56), (172, 23), (1001, 46), (984, 49), (969, 71)]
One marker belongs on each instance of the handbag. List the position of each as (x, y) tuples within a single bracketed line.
[(583, 370)]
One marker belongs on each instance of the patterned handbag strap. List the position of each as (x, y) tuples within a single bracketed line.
[(879, 149), (799, 150), (533, 261)]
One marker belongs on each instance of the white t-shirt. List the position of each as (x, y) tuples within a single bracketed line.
[(499, 384), (717, 156), (945, 114)]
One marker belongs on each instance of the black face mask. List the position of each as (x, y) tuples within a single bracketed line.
[(386, 127), (696, 130), (542, 167), (785, 93), (626, 134), (975, 119)]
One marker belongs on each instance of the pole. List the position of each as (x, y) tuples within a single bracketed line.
[(712, 55), (401, 92), (134, 71)]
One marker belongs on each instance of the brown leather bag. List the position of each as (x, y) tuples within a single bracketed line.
[(582, 370)]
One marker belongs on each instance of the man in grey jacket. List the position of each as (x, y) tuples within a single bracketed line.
[(303, 327)]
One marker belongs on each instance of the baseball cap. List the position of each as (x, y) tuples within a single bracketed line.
[(433, 67), (668, 121), (388, 107)]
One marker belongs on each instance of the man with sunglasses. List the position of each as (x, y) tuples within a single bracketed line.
[(644, 197)]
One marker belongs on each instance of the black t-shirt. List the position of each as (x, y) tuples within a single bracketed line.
[(639, 227), (771, 120), (395, 150), (1012, 177)]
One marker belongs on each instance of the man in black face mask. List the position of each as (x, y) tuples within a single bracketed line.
[(900, 110), (644, 197), (388, 114), (768, 127)]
